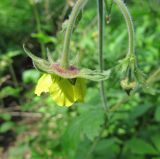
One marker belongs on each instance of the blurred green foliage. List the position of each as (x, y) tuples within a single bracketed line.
[(43, 130)]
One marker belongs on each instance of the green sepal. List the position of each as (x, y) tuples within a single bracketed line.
[(49, 56), (48, 67), (33, 57), (95, 75), (39, 63)]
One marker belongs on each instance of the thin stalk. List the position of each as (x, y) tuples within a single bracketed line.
[(39, 29), (13, 75), (129, 24), (65, 54), (46, 8), (100, 4)]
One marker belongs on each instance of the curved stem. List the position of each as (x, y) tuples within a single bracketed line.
[(78, 6), (100, 4), (129, 23)]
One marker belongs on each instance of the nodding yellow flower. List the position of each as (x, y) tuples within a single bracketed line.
[(63, 91), (65, 85)]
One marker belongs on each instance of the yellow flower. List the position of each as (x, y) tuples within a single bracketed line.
[(63, 91), (65, 85)]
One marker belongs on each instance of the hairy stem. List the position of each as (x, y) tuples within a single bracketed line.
[(65, 54), (129, 23), (100, 4)]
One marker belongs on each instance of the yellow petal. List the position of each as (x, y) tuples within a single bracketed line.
[(79, 90), (43, 84), (62, 91), (67, 88)]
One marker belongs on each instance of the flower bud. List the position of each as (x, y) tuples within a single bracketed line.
[(128, 86)]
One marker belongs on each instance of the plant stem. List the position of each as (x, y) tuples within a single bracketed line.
[(129, 24), (100, 4), (46, 8), (39, 29), (13, 75), (65, 54)]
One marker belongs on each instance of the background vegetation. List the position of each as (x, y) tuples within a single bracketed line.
[(34, 127)]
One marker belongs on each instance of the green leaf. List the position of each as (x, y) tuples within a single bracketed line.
[(154, 77), (71, 137), (12, 54), (93, 121), (139, 111), (30, 76), (6, 126), (88, 123), (43, 38), (141, 147), (156, 140), (109, 147), (9, 55), (9, 91), (157, 114), (6, 116)]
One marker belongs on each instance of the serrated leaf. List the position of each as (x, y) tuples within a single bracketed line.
[(108, 146), (139, 111), (141, 147), (89, 124), (93, 121)]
